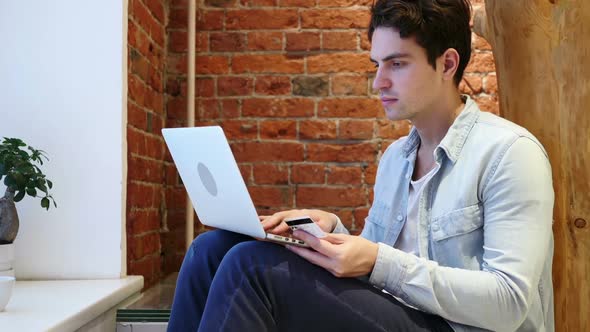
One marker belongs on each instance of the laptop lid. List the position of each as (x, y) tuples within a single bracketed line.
[(212, 179)]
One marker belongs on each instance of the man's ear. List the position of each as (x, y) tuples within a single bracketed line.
[(450, 61)]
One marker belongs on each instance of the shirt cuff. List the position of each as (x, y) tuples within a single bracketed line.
[(390, 269), (339, 229)]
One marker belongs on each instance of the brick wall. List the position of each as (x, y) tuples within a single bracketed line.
[(146, 207), (289, 81)]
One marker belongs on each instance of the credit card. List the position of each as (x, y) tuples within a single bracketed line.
[(307, 224)]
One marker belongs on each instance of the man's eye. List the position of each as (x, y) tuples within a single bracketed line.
[(396, 64)]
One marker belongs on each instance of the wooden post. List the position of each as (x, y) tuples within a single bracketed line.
[(542, 52)]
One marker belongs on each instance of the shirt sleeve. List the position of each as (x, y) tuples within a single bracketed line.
[(517, 241), (340, 228)]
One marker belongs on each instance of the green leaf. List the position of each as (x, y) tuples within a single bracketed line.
[(45, 203), (9, 180), (32, 192), (19, 196), (41, 185), (50, 184)]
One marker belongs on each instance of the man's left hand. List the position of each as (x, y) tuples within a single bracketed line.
[(345, 256)]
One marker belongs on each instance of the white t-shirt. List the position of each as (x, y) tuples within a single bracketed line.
[(408, 240)]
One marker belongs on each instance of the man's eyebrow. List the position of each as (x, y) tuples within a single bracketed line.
[(393, 56)]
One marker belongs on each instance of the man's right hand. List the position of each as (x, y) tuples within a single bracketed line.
[(275, 224)]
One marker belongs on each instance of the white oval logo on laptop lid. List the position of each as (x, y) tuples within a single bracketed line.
[(207, 179)]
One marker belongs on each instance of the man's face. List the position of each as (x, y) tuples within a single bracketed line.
[(407, 84)]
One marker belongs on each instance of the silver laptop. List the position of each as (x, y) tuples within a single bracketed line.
[(214, 183)]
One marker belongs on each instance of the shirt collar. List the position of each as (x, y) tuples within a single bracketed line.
[(455, 138)]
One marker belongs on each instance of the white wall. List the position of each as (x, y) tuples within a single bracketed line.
[(63, 90)]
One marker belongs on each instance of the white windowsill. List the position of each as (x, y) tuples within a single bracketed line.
[(64, 305)]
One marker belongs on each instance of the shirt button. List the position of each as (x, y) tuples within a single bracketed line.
[(407, 175), (400, 217), (435, 227)]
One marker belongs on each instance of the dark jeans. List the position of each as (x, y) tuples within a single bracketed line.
[(229, 282)]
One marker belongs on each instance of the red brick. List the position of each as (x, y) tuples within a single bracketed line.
[(360, 214), (471, 84), (345, 175), (267, 151), (208, 109), (208, 20), (273, 85), (370, 173), (488, 103), (352, 85), (356, 129), (317, 129), (154, 147), (349, 107), (271, 196), (221, 3), (279, 129), (302, 41), (480, 43), (144, 18), (136, 141), (266, 63), (246, 171), (136, 117), (265, 41), (137, 90), (308, 173), (234, 86), (230, 108), (212, 64), (157, 9), (327, 197), (341, 152), (392, 129), (175, 198), (344, 3), (345, 216), (339, 63), (144, 245), (481, 63), (146, 170), (204, 87), (227, 41), (141, 195), (271, 174), (148, 267), (239, 129), (253, 19), (171, 174), (177, 63), (339, 40), (176, 109), (293, 107), (297, 3), (143, 221), (178, 41), (178, 3), (490, 84), (365, 43), (334, 18), (258, 3)]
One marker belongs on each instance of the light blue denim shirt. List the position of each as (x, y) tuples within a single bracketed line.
[(484, 231)]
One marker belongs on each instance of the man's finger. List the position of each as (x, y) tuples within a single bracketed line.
[(315, 243), (335, 238), (311, 256)]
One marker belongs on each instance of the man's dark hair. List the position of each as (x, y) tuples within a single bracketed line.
[(437, 26)]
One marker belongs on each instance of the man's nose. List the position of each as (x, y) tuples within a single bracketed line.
[(381, 82)]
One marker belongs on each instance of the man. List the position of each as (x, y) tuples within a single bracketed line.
[(459, 233)]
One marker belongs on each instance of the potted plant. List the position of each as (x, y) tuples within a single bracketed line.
[(22, 176)]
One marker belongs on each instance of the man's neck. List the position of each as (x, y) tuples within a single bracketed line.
[(433, 127)]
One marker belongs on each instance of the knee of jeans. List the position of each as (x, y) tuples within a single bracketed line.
[(205, 241), (252, 251)]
